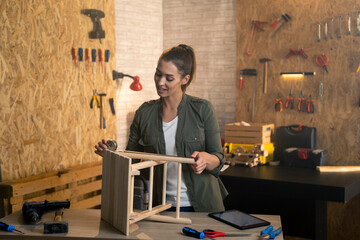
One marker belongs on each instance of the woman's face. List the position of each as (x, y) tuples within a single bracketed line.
[(168, 80)]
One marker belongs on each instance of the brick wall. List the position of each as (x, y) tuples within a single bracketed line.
[(139, 43), (209, 27), (145, 28)]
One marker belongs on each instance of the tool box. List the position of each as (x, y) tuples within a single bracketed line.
[(304, 158), (297, 136), (256, 133)]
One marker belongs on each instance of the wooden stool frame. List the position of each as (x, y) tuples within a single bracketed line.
[(118, 188)]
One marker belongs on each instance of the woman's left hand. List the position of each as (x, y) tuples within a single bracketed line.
[(204, 160)]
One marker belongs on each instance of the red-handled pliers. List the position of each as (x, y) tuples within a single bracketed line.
[(213, 234)]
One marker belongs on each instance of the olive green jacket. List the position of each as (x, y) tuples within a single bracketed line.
[(197, 130)]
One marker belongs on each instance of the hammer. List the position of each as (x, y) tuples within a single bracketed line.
[(102, 118), (265, 60), (57, 226)]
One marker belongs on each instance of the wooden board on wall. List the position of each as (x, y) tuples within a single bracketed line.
[(337, 113), (45, 116)]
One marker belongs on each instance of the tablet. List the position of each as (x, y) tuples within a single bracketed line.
[(239, 219)]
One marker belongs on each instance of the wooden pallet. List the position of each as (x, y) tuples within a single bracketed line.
[(80, 185)]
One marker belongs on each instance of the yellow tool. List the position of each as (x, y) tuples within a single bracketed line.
[(96, 98), (358, 69)]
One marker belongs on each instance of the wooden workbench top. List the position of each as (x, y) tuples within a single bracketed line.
[(86, 224)]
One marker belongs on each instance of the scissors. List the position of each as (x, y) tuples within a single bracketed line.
[(322, 60), (269, 233), (213, 234)]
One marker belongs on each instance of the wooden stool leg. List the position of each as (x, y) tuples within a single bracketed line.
[(131, 203), (151, 186), (164, 184), (178, 191)]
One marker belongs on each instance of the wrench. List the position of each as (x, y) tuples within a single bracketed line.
[(339, 27), (358, 25), (349, 24), (325, 31)]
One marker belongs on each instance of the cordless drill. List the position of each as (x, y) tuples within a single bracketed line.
[(95, 16), (33, 211)]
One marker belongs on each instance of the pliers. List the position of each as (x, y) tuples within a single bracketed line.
[(290, 101), (278, 104), (269, 233), (310, 107), (96, 98), (301, 102)]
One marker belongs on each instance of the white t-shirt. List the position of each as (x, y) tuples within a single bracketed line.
[(169, 129)]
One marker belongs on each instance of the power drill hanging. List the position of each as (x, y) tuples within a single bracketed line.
[(95, 16)]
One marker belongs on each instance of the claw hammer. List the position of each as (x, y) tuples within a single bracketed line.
[(265, 61)]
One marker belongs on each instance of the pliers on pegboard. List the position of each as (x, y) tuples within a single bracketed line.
[(96, 98)]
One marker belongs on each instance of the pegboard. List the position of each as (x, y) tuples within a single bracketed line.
[(337, 112)]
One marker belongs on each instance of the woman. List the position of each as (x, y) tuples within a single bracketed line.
[(180, 125)]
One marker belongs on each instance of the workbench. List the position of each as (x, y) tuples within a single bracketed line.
[(86, 224), (299, 195)]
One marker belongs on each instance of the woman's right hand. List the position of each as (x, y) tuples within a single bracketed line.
[(102, 145)]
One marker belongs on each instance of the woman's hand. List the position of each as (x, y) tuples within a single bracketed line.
[(204, 161), (101, 147)]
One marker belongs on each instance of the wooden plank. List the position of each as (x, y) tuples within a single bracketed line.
[(156, 157), (87, 203), (169, 219), (86, 188), (259, 127), (62, 195), (27, 187), (338, 168), (248, 140), (115, 190), (247, 134), (144, 214), (145, 164)]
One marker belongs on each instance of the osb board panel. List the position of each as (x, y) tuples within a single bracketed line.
[(46, 122), (337, 116)]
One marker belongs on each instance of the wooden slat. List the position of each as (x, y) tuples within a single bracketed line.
[(156, 157), (86, 188), (247, 134), (23, 188), (338, 168), (115, 190), (260, 127), (144, 214), (248, 140), (87, 203)]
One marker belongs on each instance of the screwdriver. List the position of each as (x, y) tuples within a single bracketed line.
[(101, 60), (107, 56), (93, 56), (193, 233), (87, 58), (8, 228), (73, 53), (81, 59)]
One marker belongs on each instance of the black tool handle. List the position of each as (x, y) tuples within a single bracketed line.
[(193, 233)]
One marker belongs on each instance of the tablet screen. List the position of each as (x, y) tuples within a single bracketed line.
[(239, 219)]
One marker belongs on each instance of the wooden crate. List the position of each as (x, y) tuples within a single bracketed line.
[(257, 133), (80, 185)]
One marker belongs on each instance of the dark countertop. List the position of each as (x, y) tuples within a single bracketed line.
[(293, 182)]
